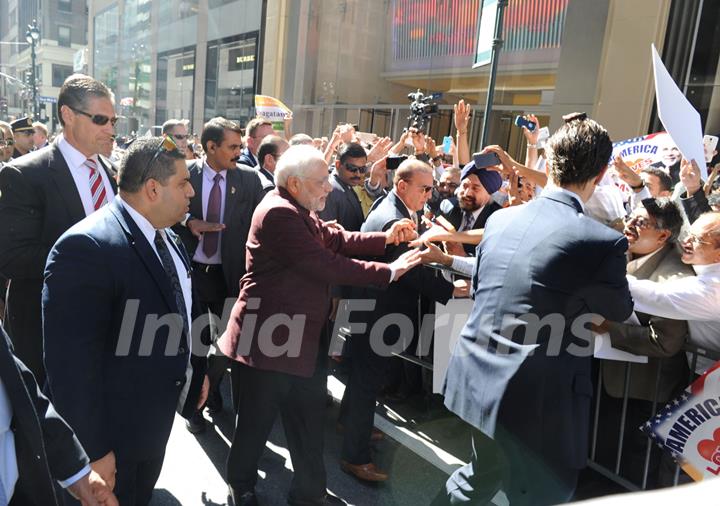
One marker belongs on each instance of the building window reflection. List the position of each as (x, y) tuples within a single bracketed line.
[(230, 84)]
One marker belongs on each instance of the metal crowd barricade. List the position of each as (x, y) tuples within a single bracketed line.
[(408, 354), (614, 473)]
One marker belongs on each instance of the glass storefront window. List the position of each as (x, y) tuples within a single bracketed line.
[(229, 88)]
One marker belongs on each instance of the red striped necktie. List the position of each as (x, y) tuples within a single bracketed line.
[(97, 187)]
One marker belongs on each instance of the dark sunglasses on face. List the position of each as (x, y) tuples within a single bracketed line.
[(180, 137), (5, 143), (425, 189), (355, 169), (98, 119), (166, 146)]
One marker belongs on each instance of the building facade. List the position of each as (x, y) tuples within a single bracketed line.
[(192, 59), (349, 60), (62, 47)]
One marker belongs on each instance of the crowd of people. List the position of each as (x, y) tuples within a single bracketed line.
[(140, 270)]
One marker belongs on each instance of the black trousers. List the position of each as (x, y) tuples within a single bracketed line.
[(211, 292), (505, 463), (368, 372), (134, 481), (301, 405)]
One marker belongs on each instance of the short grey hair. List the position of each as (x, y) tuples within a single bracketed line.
[(300, 139), (297, 161), (170, 125)]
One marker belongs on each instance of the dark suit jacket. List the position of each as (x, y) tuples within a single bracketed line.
[(695, 205), (402, 296), (293, 259), (104, 286), (38, 202), (343, 205), (455, 216), (45, 447), (661, 339), (243, 192), (247, 158), (545, 262)]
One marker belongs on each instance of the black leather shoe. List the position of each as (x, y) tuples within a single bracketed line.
[(196, 424), (241, 499), (214, 403)]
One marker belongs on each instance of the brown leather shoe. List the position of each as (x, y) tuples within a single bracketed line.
[(375, 435), (365, 472)]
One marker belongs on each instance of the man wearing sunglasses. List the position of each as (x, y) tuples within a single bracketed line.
[(44, 193), (177, 129), (343, 204), (694, 298), (413, 184)]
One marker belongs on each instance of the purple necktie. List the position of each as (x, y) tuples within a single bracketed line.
[(211, 239)]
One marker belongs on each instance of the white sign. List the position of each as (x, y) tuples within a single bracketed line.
[(450, 319), (80, 60), (678, 116), (486, 33)]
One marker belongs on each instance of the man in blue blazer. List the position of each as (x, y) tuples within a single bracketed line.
[(520, 371), (117, 320)]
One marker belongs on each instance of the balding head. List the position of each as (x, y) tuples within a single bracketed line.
[(414, 183)]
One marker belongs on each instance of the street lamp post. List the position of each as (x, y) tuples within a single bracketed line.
[(32, 36)]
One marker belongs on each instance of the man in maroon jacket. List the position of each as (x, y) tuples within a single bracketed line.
[(275, 327)]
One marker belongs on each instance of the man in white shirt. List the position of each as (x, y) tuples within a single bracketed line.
[(117, 322), (696, 298), (44, 193)]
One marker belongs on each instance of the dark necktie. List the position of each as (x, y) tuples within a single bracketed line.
[(169, 267), (211, 239), (468, 222)]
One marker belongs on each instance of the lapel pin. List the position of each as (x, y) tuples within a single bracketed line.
[(232, 190)]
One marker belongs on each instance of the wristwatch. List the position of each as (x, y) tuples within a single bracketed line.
[(638, 187)]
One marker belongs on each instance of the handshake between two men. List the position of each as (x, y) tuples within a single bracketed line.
[(403, 234)]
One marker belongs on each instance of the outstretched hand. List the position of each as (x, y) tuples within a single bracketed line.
[(405, 262), (401, 231)]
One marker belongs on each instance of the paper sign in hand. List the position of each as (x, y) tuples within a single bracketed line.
[(678, 116)]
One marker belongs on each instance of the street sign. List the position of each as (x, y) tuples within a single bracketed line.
[(47, 100), (486, 33)]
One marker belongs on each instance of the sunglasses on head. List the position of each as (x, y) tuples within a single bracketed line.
[(355, 169), (166, 146), (98, 119)]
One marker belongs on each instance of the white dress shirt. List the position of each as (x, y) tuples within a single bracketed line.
[(8, 458), (148, 231), (567, 192), (464, 265), (695, 299), (207, 183), (81, 174)]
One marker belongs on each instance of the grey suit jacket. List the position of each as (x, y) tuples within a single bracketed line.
[(244, 191), (541, 269), (661, 339)]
